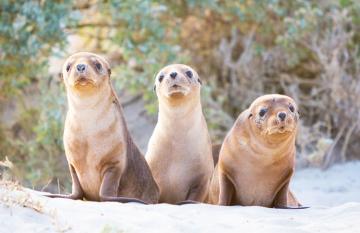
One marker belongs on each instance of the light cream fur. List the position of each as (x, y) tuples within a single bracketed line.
[(179, 151)]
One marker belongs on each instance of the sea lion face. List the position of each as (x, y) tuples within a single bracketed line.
[(177, 81), (274, 115), (85, 72)]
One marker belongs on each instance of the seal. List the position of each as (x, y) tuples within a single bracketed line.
[(257, 157), (179, 151), (104, 162)]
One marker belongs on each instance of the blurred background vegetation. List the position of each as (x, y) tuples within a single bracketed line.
[(308, 50)]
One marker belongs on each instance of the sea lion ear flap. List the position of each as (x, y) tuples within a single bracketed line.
[(250, 115), (199, 80), (154, 78), (109, 72)]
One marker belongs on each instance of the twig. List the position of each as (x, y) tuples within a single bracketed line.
[(329, 156), (47, 184), (58, 185), (346, 141)]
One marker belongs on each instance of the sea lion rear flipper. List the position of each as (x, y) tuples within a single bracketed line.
[(110, 185)]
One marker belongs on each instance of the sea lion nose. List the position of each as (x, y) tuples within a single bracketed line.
[(173, 75), (282, 116), (80, 68)]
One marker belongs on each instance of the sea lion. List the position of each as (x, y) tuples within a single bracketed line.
[(179, 150), (257, 157), (104, 162)]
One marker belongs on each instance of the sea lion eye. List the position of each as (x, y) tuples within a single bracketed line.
[(98, 66), (68, 68), (291, 107), (262, 112), (161, 77), (189, 74)]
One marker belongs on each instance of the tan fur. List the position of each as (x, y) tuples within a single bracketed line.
[(256, 160), (104, 162), (179, 150)]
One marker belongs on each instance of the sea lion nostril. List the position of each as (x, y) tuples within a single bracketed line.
[(173, 74), (282, 116), (80, 67)]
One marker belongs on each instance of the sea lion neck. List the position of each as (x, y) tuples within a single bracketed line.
[(186, 111), (90, 103), (279, 139)]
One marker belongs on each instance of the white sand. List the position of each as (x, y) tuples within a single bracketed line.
[(334, 197), (338, 185)]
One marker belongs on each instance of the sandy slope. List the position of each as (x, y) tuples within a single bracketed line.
[(338, 185), (334, 196)]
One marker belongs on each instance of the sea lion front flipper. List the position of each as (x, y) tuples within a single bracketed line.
[(198, 191), (77, 192), (226, 189), (285, 199), (292, 203), (292, 200), (110, 185), (292, 207), (187, 202), (281, 199)]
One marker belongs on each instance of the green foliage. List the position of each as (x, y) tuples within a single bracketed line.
[(46, 148), (30, 31), (147, 41)]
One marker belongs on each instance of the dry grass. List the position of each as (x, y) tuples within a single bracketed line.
[(12, 194), (326, 85)]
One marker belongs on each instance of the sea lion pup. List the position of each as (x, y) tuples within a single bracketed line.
[(257, 157), (179, 150), (104, 162)]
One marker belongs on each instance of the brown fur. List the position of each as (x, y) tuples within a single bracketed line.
[(179, 151), (257, 157), (104, 162), (215, 152)]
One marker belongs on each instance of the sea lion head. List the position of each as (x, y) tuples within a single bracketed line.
[(274, 115), (177, 82), (85, 72)]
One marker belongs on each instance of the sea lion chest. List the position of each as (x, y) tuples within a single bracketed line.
[(258, 182), (179, 158)]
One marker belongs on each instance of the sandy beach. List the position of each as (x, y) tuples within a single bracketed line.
[(333, 197)]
